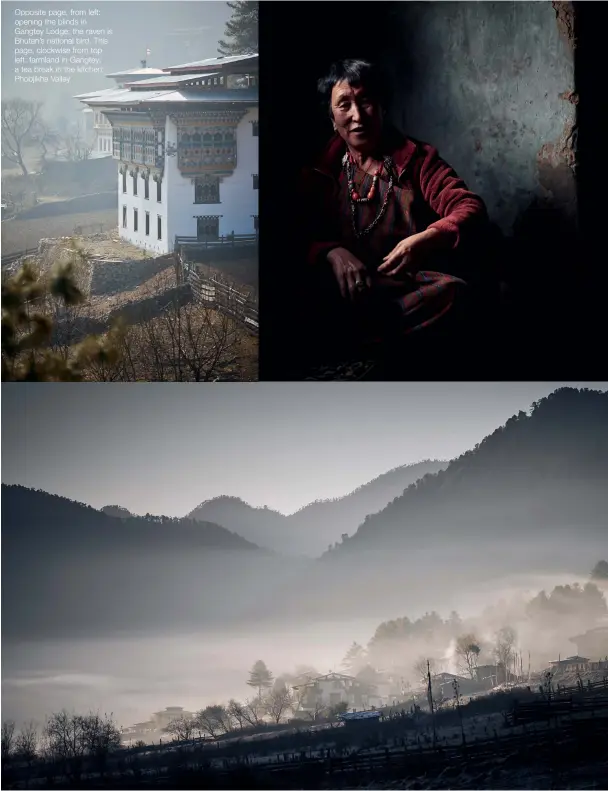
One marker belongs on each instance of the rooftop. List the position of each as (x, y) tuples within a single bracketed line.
[(170, 79), (125, 97), (571, 660), (219, 61), (128, 72)]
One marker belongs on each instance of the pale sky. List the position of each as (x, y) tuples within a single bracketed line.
[(175, 31), (162, 448)]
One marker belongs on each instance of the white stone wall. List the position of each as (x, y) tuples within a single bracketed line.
[(139, 238), (238, 199)]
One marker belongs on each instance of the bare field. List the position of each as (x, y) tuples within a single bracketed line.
[(20, 235)]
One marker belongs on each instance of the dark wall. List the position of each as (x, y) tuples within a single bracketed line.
[(491, 85)]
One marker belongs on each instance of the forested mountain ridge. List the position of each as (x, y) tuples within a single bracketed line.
[(547, 467), (312, 528)]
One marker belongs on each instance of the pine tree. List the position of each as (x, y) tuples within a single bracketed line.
[(241, 29), (260, 677), (354, 659), (600, 571)]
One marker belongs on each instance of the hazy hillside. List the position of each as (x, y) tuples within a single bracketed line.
[(540, 471), (323, 522), (313, 528), (530, 498), (68, 568), (263, 526)]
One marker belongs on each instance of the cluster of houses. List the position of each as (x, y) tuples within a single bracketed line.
[(376, 689)]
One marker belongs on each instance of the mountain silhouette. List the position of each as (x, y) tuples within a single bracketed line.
[(116, 510), (69, 568), (310, 530), (530, 498), (543, 470)]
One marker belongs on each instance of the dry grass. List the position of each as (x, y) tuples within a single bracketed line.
[(20, 235)]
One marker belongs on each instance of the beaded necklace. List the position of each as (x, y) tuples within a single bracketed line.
[(354, 197)]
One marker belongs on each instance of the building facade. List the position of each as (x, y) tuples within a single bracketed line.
[(332, 689), (186, 145)]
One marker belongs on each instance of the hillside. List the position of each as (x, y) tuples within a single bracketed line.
[(117, 511), (313, 528), (70, 569), (541, 470), (263, 526), (531, 498)]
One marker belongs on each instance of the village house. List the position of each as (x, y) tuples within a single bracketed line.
[(332, 689), (186, 143), (490, 676), (160, 719), (572, 664), (443, 683), (153, 729)]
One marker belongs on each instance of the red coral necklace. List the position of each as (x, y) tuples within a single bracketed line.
[(351, 182), (355, 199)]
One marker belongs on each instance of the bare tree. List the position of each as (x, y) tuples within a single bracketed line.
[(422, 666), (101, 737), (47, 138), (467, 650), (26, 743), (278, 702), (253, 712), (318, 711), (7, 741), (76, 148), (19, 118), (506, 639), (182, 728), (70, 738), (237, 713), (214, 720)]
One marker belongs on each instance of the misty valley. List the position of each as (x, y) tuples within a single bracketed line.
[(431, 623)]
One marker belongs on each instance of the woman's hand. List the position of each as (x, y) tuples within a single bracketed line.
[(352, 276), (409, 255)]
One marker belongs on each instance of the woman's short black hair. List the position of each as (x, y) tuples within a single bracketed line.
[(355, 72)]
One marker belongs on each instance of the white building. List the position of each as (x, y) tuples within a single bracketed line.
[(102, 127), (334, 688), (186, 141)]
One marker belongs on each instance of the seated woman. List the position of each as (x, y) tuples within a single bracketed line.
[(380, 213)]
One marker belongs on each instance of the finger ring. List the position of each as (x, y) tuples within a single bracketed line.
[(359, 284)]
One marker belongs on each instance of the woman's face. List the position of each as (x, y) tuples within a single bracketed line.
[(357, 118)]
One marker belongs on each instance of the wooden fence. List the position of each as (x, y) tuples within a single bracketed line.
[(241, 306), (12, 257), (230, 240)]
